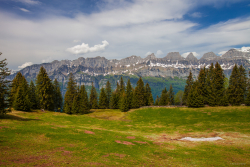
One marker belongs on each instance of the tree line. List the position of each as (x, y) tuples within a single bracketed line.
[(211, 88)]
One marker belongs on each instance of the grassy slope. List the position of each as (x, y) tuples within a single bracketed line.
[(57, 139)]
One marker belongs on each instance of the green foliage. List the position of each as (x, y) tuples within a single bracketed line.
[(4, 88), (178, 98), (70, 94), (93, 98), (14, 87), (149, 101), (195, 98), (210, 98), (22, 101), (103, 101), (84, 101), (129, 94), (140, 93), (33, 96), (235, 93), (114, 102), (124, 103), (58, 100), (76, 103), (189, 83), (171, 95), (202, 83), (157, 101), (219, 85), (108, 93), (164, 99), (45, 90)]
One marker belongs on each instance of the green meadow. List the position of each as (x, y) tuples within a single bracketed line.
[(142, 137)]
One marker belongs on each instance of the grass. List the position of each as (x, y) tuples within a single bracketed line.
[(143, 137)]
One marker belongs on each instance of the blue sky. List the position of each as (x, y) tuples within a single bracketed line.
[(38, 31)]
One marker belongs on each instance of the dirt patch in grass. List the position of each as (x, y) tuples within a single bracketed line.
[(124, 142), (28, 159), (141, 142), (2, 127), (89, 132), (130, 137)]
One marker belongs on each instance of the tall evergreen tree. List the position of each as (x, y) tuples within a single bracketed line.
[(140, 93), (108, 93), (219, 85), (33, 96), (195, 98), (243, 83), (124, 103), (22, 100), (4, 88), (171, 95), (164, 99), (103, 101), (84, 102), (14, 87), (202, 84), (57, 96), (210, 87), (178, 98), (129, 94), (122, 86), (157, 100), (93, 98), (70, 94), (135, 100), (247, 101), (114, 101), (234, 90), (189, 83), (149, 101), (76, 103), (45, 90)]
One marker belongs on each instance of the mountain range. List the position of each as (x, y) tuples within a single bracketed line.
[(88, 70)]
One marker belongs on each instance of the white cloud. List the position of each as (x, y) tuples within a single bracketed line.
[(29, 2), (130, 29), (24, 10), (196, 15), (148, 53), (84, 48), (25, 65), (159, 53), (187, 53), (222, 53), (244, 49)]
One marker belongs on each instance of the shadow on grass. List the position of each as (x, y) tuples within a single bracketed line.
[(13, 117)]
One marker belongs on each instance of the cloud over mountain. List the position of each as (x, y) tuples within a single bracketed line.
[(84, 48)]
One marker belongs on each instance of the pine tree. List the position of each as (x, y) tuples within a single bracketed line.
[(178, 98), (202, 83), (84, 102), (45, 90), (124, 103), (5, 101), (33, 96), (171, 95), (234, 90), (93, 98), (242, 83), (76, 101), (122, 87), (157, 101), (108, 93), (149, 101), (14, 87), (164, 99), (210, 87), (103, 101), (70, 94), (219, 85), (129, 94), (21, 101), (114, 101), (140, 93), (189, 83), (195, 98), (135, 103), (57, 96), (247, 101)]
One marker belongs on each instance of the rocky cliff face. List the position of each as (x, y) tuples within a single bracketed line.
[(173, 65)]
